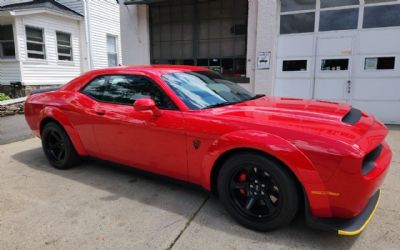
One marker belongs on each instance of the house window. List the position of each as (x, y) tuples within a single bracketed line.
[(112, 51), (64, 47), (35, 43), (7, 47)]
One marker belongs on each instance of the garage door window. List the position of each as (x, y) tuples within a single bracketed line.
[(296, 5), (381, 16), (338, 3), (297, 23), (346, 19), (294, 65), (335, 64), (379, 63)]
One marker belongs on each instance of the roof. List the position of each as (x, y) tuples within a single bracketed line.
[(157, 69), (51, 5)]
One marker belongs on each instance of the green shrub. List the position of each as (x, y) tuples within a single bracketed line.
[(4, 97)]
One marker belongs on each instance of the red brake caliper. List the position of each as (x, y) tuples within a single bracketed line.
[(243, 178)]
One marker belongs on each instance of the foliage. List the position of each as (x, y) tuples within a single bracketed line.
[(4, 97)]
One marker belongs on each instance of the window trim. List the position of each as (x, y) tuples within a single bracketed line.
[(64, 46), (377, 57), (35, 42), (2, 57), (116, 49), (81, 90)]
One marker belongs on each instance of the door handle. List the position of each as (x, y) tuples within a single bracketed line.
[(100, 112), (348, 87)]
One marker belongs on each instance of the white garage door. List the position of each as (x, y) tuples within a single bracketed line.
[(343, 51)]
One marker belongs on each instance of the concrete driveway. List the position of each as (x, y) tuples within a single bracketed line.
[(103, 206)]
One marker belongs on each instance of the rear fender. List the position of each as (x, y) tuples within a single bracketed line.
[(279, 148), (56, 114)]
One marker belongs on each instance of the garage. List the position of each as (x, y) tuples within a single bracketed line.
[(343, 51), (207, 33)]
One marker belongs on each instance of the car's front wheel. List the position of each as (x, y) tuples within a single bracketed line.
[(258, 191), (58, 148)]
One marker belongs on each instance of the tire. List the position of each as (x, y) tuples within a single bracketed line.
[(258, 191), (58, 148)]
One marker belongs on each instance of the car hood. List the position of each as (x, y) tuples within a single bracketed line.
[(299, 116)]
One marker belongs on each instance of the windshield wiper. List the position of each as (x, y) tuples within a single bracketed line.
[(222, 104), (255, 97)]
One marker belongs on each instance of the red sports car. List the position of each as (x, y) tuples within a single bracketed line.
[(263, 156)]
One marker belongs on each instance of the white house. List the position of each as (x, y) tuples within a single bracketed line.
[(347, 50), (48, 42)]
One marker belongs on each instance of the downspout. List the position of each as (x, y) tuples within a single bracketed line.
[(87, 33)]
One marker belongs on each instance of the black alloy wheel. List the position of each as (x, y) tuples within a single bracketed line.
[(258, 191), (57, 147)]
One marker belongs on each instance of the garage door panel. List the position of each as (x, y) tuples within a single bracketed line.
[(387, 112), (296, 46), (293, 88), (379, 41), (334, 46), (376, 89), (330, 89)]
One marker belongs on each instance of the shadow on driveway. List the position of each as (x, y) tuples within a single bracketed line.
[(124, 182)]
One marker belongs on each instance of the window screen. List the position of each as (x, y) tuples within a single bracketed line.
[(381, 16), (112, 53), (35, 43), (294, 65), (7, 47), (64, 47), (297, 23), (379, 63), (334, 64), (338, 20)]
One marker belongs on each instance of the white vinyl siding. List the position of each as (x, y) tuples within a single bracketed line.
[(49, 71), (9, 71), (104, 20)]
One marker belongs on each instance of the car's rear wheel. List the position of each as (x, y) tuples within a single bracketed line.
[(58, 148), (258, 191)]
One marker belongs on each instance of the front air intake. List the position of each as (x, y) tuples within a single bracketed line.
[(352, 117)]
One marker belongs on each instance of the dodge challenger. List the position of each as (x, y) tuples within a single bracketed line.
[(264, 157)]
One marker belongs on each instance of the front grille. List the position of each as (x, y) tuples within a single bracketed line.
[(369, 160)]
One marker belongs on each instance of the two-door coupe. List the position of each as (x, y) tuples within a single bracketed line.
[(263, 156)]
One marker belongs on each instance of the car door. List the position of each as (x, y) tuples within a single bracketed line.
[(139, 138)]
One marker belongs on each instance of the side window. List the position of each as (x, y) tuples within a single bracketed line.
[(96, 88), (126, 89)]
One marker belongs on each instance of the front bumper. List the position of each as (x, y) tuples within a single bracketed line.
[(352, 226)]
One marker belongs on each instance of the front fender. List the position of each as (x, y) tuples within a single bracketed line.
[(279, 148), (57, 114)]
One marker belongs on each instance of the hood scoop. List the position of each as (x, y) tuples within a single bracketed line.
[(352, 117)]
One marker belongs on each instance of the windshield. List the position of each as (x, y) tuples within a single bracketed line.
[(205, 89)]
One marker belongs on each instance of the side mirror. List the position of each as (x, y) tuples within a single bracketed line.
[(145, 104)]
